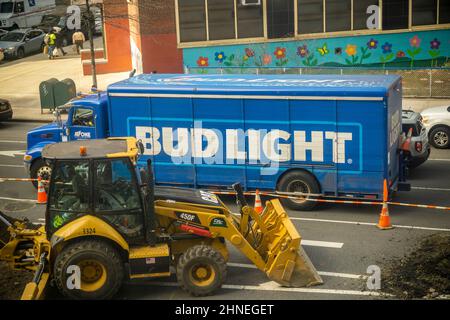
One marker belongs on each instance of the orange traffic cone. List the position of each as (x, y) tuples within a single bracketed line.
[(258, 205), (42, 195), (384, 222)]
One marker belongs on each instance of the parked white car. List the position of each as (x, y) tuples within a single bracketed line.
[(437, 122)]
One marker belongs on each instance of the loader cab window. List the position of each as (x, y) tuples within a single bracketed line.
[(117, 197), (69, 194)]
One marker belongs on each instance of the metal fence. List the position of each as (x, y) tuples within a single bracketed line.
[(417, 83)]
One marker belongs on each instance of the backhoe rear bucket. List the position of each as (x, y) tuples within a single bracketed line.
[(279, 245)]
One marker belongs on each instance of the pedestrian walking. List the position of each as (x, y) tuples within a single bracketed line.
[(50, 40), (78, 39), (59, 41)]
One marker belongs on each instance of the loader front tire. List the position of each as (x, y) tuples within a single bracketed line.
[(299, 181), (100, 266), (201, 270)]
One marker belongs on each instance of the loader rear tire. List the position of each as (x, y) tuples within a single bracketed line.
[(299, 181), (201, 270), (101, 270)]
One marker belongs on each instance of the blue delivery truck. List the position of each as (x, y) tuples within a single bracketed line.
[(331, 135)]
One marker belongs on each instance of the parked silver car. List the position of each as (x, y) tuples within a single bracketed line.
[(20, 42), (419, 150), (437, 122)]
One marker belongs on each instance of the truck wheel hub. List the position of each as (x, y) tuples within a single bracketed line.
[(298, 186)]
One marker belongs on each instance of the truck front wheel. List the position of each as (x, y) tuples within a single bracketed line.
[(302, 182), (40, 169), (201, 270)]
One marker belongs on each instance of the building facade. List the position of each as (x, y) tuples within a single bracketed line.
[(172, 36)]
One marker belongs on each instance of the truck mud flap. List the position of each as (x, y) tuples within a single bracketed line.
[(278, 242)]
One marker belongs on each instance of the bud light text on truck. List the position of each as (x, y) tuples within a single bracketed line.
[(332, 135)]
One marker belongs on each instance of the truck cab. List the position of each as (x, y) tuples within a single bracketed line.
[(87, 119), (15, 14)]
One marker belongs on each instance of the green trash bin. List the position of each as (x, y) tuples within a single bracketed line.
[(47, 94), (65, 90)]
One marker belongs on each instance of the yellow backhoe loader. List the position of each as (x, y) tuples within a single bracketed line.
[(107, 222)]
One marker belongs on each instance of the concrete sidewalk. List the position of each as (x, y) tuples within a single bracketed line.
[(19, 82)]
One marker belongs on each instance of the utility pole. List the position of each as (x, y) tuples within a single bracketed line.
[(91, 24)]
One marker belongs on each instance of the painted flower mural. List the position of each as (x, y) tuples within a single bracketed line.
[(415, 48), (403, 49), (400, 54), (351, 50), (435, 44), (387, 48), (266, 59), (220, 56), (280, 53), (303, 51), (415, 41), (249, 52), (372, 44), (203, 62)]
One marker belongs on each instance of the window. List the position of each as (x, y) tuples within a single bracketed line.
[(338, 15), (360, 14), (250, 21), (115, 186), (70, 187), (221, 19), (424, 12), (310, 16), (6, 7), (192, 20), (19, 7), (444, 11), (395, 14), (117, 197), (83, 117), (33, 34), (280, 18)]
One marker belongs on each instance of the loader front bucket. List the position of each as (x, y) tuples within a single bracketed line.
[(279, 244)]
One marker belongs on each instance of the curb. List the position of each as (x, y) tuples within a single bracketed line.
[(31, 120)]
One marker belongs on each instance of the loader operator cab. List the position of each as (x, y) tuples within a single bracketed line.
[(98, 178)]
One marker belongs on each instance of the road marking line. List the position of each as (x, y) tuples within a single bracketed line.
[(41, 219), (11, 141), (15, 199), (273, 286), (370, 224), (322, 273), (325, 244), (432, 189), (446, 160), (11, 166)]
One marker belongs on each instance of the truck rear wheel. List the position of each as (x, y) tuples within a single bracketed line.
[(40, 169), (299, 181), (201, 270), (100, 266)]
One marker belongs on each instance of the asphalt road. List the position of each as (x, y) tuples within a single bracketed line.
[(341, 240)]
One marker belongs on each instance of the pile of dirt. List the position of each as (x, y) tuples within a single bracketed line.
[(12, 283), (423, 273)]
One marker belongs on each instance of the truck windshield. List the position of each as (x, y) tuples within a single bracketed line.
[(12, 37), (6, 7)]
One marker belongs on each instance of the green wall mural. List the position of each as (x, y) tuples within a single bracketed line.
[(399, 50)]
